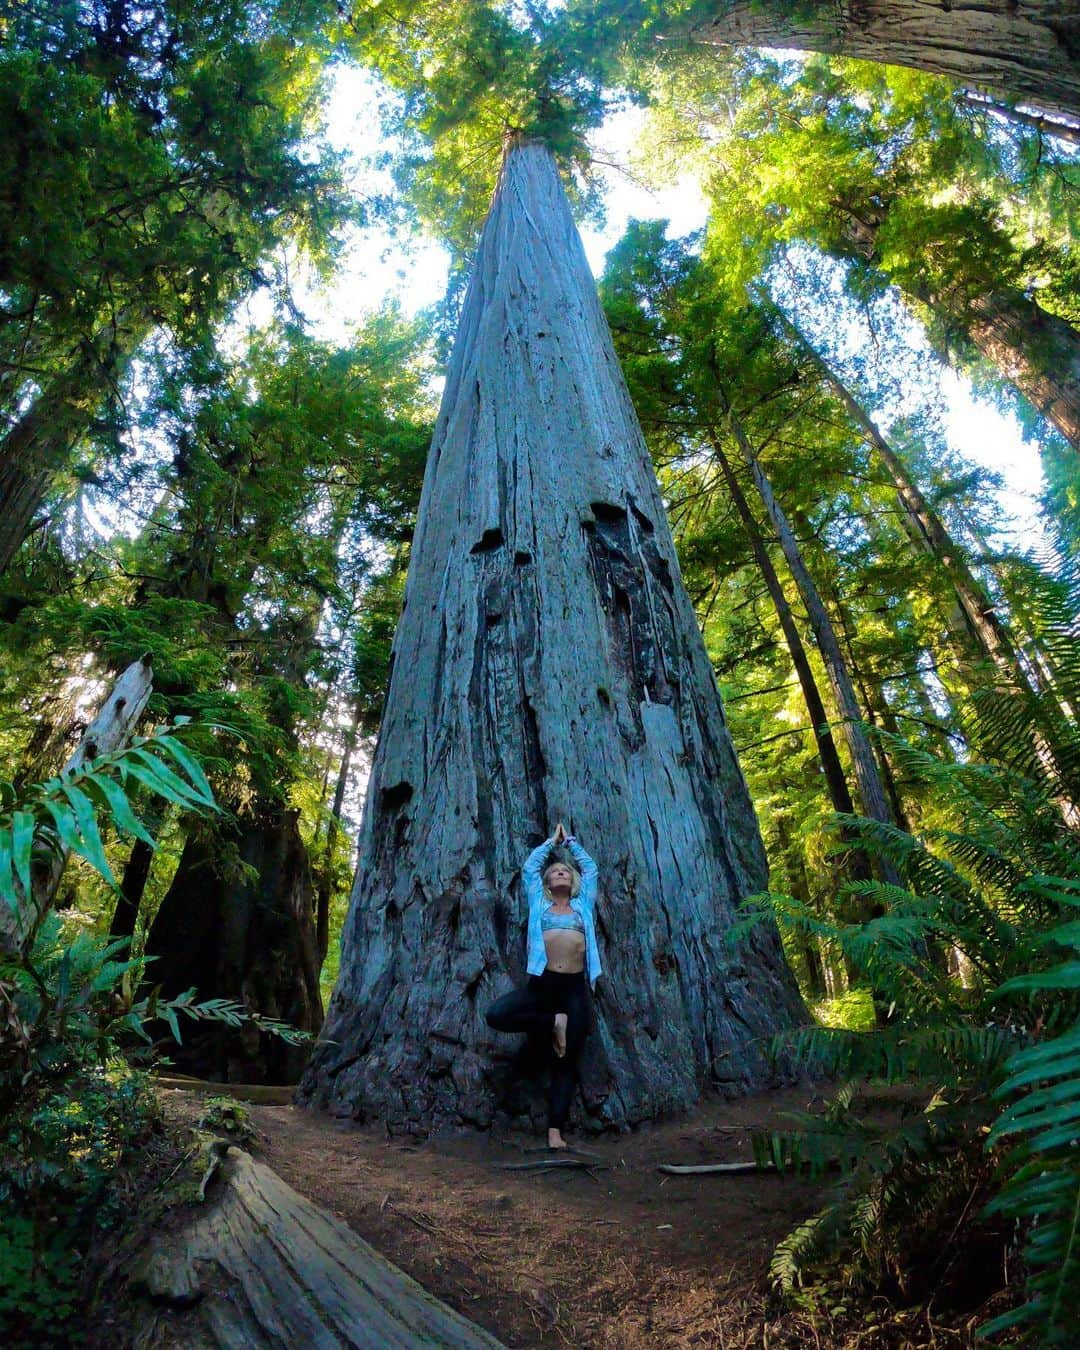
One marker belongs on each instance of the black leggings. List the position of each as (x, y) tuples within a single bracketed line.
[(533, 1010)]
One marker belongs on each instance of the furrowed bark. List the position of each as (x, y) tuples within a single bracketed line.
[(258, 1266), (110, 730), (1027, 50), (547, 665)]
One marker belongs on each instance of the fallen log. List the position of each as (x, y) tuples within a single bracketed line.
[(263, 1094), (260, 1267)]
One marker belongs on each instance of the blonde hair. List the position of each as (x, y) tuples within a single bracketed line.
[(575, 876)]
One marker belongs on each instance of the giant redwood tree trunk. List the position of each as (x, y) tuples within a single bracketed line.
[(1028, 50), (547, 665)]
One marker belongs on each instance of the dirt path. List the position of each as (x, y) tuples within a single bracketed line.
[(620, 1258)]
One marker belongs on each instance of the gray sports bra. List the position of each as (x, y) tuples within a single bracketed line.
[(572, 921)]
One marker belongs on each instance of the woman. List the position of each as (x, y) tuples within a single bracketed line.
[(562, 946)]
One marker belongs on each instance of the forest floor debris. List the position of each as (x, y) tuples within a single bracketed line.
[(621, 1259)]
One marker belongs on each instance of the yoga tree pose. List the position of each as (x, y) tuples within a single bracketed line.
[(561, 947)]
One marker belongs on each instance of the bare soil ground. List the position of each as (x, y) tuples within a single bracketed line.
[(620, 1257)]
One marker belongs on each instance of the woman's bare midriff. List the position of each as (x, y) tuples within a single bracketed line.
[(565, 951)]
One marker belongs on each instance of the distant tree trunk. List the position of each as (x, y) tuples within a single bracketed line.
[(1028, 50), (835, 777), (548, 664), (265, 925), (56, 726), (874, 705), (983, 635), (31, 454), (800, 887), (324, 890), (867, 776), (36, 447), (241, 935), (1050, 126), (1035, 351), (110, 730)]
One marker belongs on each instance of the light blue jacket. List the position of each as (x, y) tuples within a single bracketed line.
[(584, 903)]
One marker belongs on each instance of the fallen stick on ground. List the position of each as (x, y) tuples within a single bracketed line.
[(699, 1169), (541, 1164), (558, 1152)]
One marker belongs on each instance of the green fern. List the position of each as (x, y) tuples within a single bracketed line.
[(1042, 1189), (60, 815)]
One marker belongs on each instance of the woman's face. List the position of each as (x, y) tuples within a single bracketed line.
[(558, 877)]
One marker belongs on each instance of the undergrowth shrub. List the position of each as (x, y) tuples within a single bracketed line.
[(62, 1156)]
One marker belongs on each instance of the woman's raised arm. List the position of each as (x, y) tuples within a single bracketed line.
[(530, 872), (588, 869)]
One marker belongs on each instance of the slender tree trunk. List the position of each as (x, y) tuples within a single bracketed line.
[(1027, 50), (548, 664), (800, 882), (333, 829), (874, 706), (978, 632), (835, 777), (986, 635), (109, 731), (867, 777), (132, 887)]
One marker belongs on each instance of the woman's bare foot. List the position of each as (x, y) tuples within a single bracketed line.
[(555, 1139), (558, 1034)]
